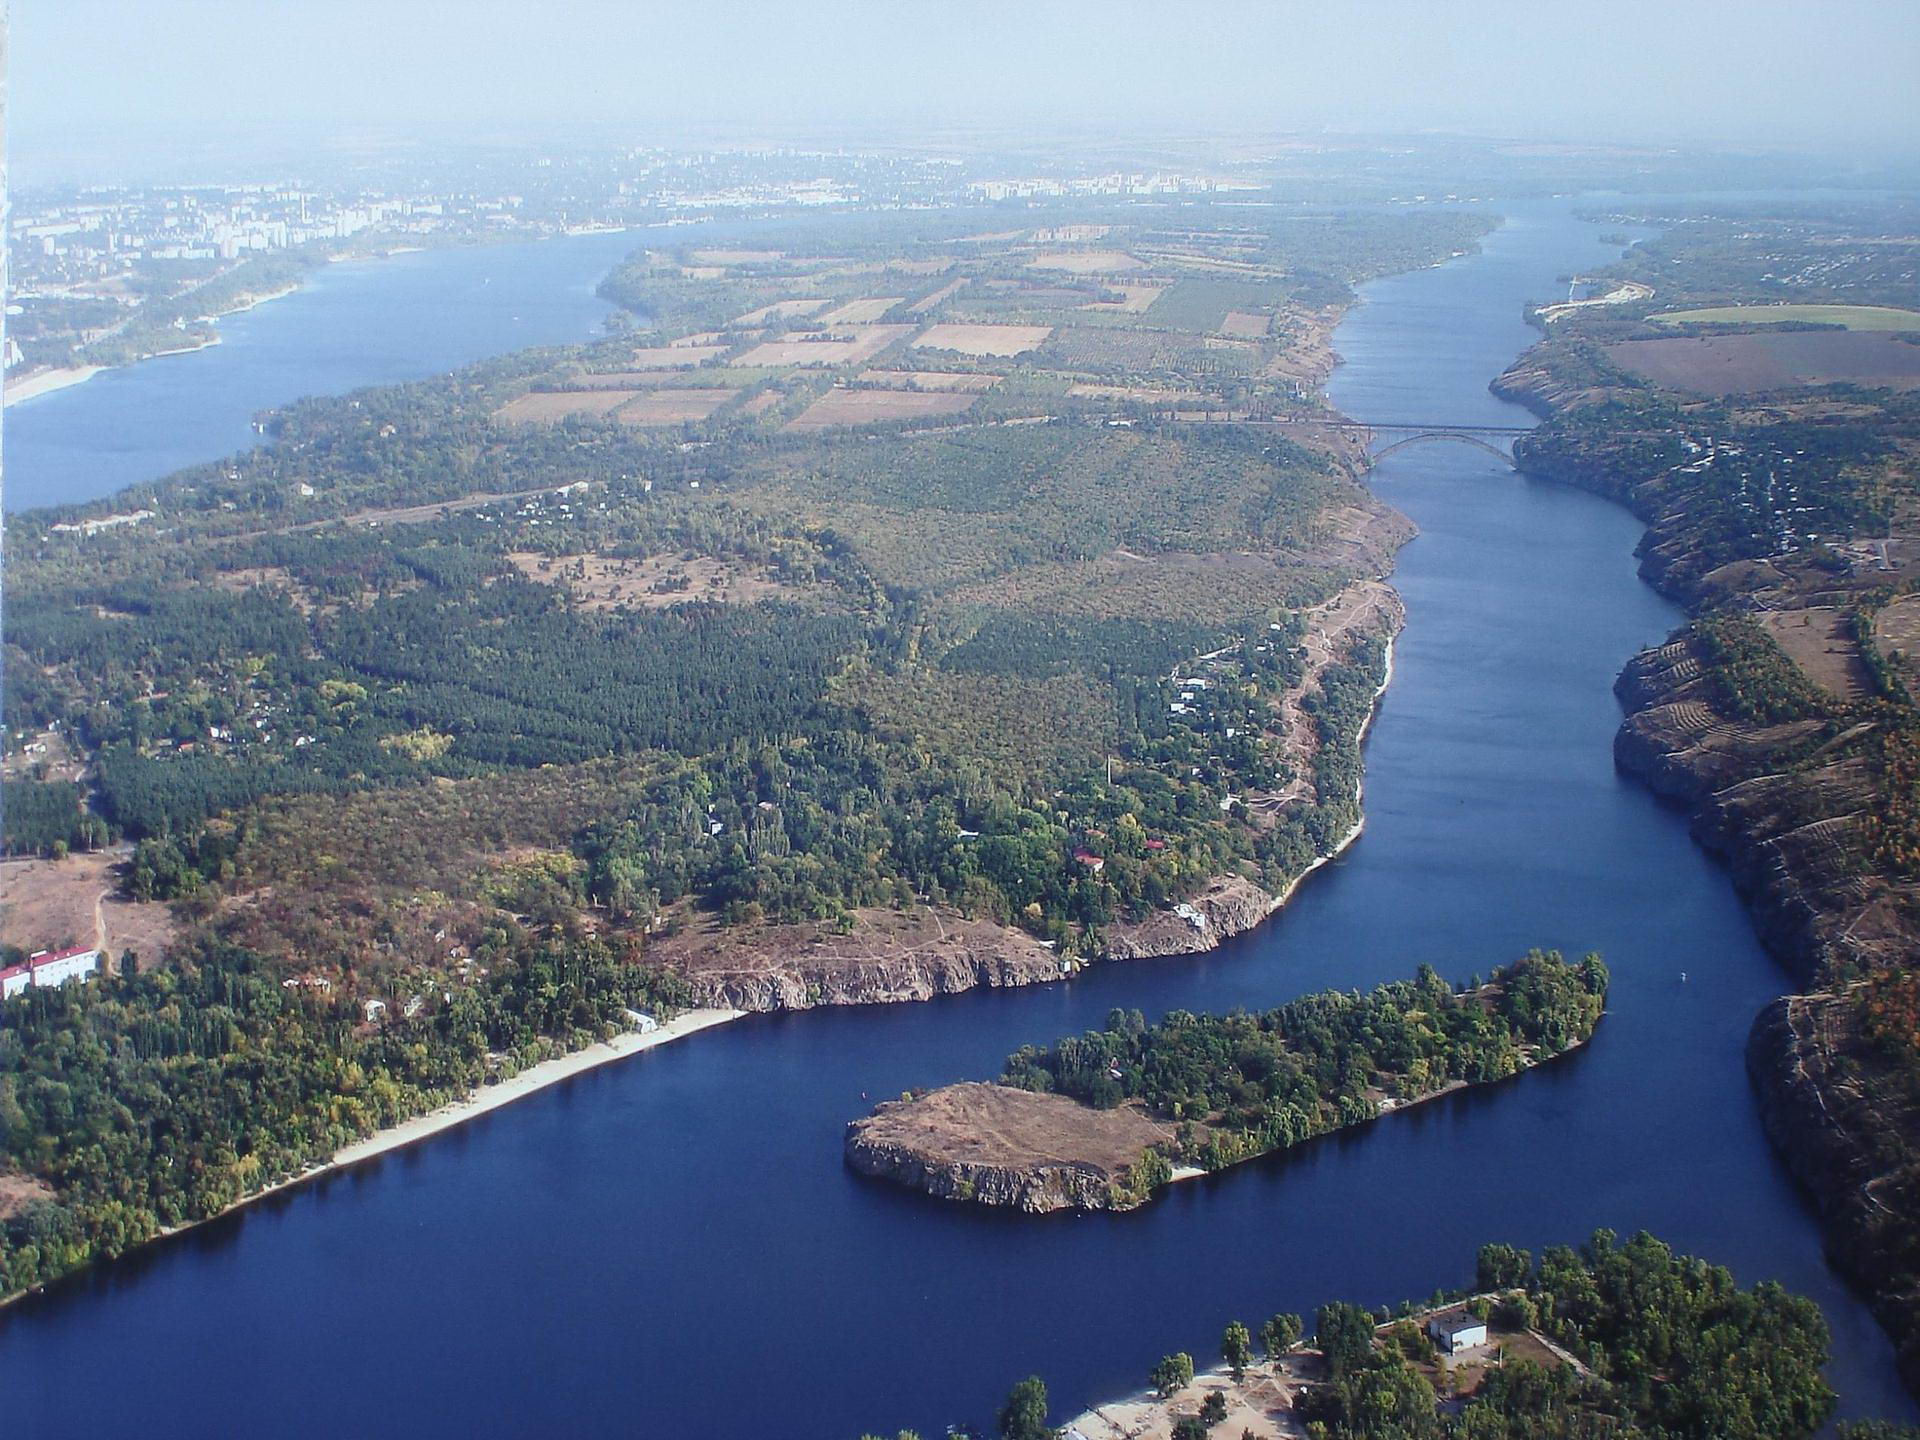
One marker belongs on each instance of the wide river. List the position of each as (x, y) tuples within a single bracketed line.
[(672, 1246)]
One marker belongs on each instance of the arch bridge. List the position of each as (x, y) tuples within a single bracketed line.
[(1455, 437)]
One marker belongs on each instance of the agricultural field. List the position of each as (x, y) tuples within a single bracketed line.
[(930, 380), (674, 357), (852, 346), (995, 340), (1243, 325), (861, 312), (1134, 299), (1087, 262), (672, 406), (549, 407), (780, 310), (1854, 317), (1775, 360), (866, 407)]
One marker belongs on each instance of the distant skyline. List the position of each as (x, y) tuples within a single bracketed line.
[(101, 86)]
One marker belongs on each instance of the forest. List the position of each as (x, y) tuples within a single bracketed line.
[(1241, 1085)]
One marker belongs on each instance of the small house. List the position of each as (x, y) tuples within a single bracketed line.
[(1456, 1330)]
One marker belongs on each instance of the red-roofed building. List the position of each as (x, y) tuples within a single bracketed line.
[(1092, 861), (49, 967)]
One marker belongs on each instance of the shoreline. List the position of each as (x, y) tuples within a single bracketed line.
[(483, 1101), (48, 382)]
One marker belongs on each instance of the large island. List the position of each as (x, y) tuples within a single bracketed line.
[(1100, 1121)]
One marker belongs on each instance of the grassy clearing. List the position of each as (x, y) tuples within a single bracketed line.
[(1854, 317)]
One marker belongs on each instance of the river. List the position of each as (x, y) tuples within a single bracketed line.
[(671, 1245)]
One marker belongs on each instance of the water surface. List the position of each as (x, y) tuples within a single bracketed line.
[(672, 1245)]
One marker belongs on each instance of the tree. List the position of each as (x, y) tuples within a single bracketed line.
[(1344, 1334), (1501, 1267), (1213, 1409), (1236, 1348), (1189, 1427), (1173, 1374), (1281, 1334), (1024, 1416)]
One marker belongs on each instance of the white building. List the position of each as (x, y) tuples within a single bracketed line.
[(48, 968), (1456, 1331)]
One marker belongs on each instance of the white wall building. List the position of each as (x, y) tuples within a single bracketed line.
[(48, 968)]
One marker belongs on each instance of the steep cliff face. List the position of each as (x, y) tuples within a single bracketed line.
[(1846, 1134), (1841, 1114), (1230, 905), (1034, 1189), (886, 956), (995, 1145)]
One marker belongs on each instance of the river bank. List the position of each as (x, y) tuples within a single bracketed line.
[(483, 1101)]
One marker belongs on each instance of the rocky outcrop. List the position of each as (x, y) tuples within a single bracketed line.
[(1230, 905), (1782, 806), (1847, 1130), (885, 957), (994, 1145)]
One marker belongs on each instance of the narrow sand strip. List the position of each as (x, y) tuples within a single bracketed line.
[(534, 1077)]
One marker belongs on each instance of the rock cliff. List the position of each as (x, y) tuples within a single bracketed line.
[(994, 1145)]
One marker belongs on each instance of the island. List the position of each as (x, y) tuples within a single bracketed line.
[(1102, 1120)]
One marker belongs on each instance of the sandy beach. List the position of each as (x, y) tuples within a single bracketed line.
[(536, 1077), (48, 381)]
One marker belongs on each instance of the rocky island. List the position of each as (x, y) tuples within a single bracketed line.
[(1100, 1121)]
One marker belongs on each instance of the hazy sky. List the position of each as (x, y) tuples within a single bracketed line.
[(89, 76)]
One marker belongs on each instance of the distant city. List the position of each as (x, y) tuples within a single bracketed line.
[(103, 275)]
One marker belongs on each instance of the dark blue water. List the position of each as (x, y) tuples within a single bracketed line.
[(370, 322), (672, 1246)]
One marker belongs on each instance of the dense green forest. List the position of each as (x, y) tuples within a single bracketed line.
[(1241, 1085), (152, 1101)]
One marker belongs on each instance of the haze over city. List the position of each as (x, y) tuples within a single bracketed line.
[(100, 82)]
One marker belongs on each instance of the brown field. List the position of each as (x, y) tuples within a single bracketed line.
[(921, 267), (1138, 299), (1777, 360), (863, 407), (928, 302), (547, 407), (602, 582), (984, 339), (48, 904), (1142, 394), (779, 310), (672, 407), (854, 346), (18, 1191), (1246, 326), (975, 1124), (763, 402), (1820, 641), (705, 337), (861, 312), (929, 380), (1086, 262), (738, 257), (674, 357), (1897, 630), (1150, 587)]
